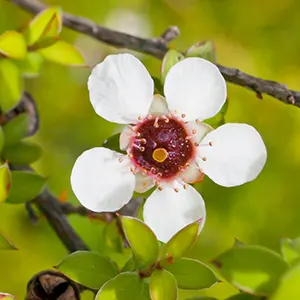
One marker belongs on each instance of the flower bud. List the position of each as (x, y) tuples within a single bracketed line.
[(204, 49)]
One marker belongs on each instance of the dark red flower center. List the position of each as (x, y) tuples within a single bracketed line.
[(162, 147)]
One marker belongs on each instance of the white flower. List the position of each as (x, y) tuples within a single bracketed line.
[(167, 143)]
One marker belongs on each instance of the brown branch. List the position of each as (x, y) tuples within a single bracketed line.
[(157, 47)]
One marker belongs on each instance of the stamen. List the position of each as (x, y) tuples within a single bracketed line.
[(120, 159), (196, 144), (194, 131), (210, 143), (204, 158), (137, 134), (153, 170), (160, 188), (183, 116), (167, 120), (185, 186), (156, 122), (133, 170), (188, 137), (130, 155), (143, 141), (140, 118), (198, 121), (176, 190), (141, 148)]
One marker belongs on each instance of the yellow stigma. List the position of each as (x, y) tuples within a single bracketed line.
[(160, 154)]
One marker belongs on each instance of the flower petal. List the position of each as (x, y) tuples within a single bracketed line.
[(158, 106), (100, 182), (198, 130), (196, 88), (237, 154), (167, 212), (192, 174), (125, 137), (121, 89), (143, 183)]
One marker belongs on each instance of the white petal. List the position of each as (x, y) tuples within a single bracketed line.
[(158, 106), (201, 130), (100, 182), (167, 212), (125, 137), (143, 183), (195, 87), (192, 174), (121, 89), (237, 155)]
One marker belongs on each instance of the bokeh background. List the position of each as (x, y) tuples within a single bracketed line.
[(259, 37)]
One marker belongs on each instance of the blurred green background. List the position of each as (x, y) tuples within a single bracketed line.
[(259, 37)]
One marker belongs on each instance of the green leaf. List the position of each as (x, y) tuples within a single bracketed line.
[(5, 182), (142, 240), (192, 274), (163, 286), (6, 244), (30, 67), (25, 186), (125, 286), (171, 58), (113, 143), (219, 118), (4, 296), (180, 243), (289, 285), (252, 269), (90, 269), (63, 53), (202, 298), (22, 154), (290, 249), (244, 297), (13, 45), (129, 265), (112, 237), (16, 129), (45, 28), (2, 139), (204, 49), (11, 87), (159, 88)]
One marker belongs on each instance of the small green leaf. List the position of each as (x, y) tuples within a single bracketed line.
[(219, 118), (4, 296), (290, 249), (192, 274), (112, 237), (113, 143), (129, 266), (45, 28), (90, 269), (5, 182), (243, 296), (163, 286), (252, 269), (142, 240), (2, 139), (6, 244), (159, 88), (22, 154), (11, 87), (202, 298), (180, 243), (125, 286), (30, 67), (289, 285), (204, 49), (25, 186), (63, 53), (13, 45), (16, 129), (171, 58)]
